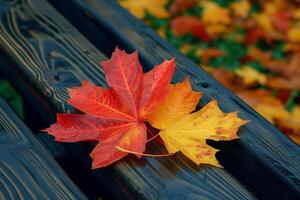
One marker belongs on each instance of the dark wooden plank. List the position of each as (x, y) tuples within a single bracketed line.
[(27, 169), (74, 58), (272, 156)]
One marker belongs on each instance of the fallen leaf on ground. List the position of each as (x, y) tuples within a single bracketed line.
[(274, 111), (281, 20), (241, 8), (292, 121), (210, 53), (293, 34), (189, 25), (264, 103), (251, 76), (263, 20), (214, 14)]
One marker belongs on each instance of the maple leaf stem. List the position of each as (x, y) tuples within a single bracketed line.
[(143, 154), (154, 136)]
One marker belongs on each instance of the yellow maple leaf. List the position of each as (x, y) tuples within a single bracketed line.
[(161, 32), (293, 34), (214, 14), (296, 14), (250, 75), (241, 8), (185, 132), (292, 121), (138, 7), (270, 112), (264, 21), (216, 29), (264, 103)]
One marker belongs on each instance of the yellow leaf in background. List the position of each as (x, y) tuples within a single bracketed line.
[(264, 103), (161, 32), (296, 13), (292, 121), (185, 48), (264, 21), (215, 29), (138, 7), (250, 75), (294, 34), (214, 14), (295, 137), (185, 132), (241, 8), (271, 112), (270, 7)]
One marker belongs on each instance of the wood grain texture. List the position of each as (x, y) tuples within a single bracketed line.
[(273, 151), (73, 59), (27, 169), (52, 54)]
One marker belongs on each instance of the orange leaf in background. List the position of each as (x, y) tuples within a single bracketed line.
[(274, 111), (189, 24), (210, 53), (264, 103), (282, 20), (283, 83), (187, 132), (257, 54), (113, 116), (288, 73)]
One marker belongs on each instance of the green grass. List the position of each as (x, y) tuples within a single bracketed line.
[(10, 95)]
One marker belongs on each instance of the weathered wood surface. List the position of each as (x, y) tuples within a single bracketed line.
[(27, 169), (53, 56), (272, 156)]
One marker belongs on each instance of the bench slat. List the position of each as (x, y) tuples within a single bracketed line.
[(53, 56), (27, 169)]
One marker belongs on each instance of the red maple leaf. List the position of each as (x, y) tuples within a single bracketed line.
[(255, 34), (114, 116), (189, 24), (282, 20)]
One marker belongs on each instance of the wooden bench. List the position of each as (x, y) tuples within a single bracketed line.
[(27, 169), (43, 55), (262, 150)]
